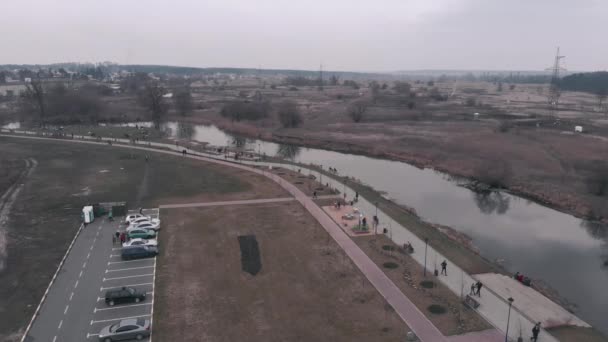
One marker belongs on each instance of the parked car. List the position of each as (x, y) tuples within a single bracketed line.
[(132, 217), (145, 225), (124, 295), (141, 233), (140, 242), (144, 219), (138, 252), (126, 329)]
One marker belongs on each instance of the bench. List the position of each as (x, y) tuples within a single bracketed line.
[(471, 302)]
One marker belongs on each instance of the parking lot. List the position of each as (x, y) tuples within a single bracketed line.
[(75, 309)]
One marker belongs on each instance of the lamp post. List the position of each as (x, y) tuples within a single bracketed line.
[(426, 243), (508, 319)]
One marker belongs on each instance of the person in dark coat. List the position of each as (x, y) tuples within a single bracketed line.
[(479, 285), (535, 332), (444, 269)]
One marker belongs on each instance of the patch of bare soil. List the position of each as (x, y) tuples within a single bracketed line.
[(304, 288), (437, 302)]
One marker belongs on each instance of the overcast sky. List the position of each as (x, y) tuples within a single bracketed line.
[(360, 35)]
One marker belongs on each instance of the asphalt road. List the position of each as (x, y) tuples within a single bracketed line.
[(74, 309)]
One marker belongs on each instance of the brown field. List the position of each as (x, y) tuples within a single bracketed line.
[(307, 289), (46, 214)]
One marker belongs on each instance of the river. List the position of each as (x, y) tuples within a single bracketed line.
[(565, 252)]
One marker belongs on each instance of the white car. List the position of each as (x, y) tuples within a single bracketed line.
[(132, 217), (143, 219), (140, 242), (153, 225)]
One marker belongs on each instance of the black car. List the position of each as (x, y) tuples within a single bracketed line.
[(124, 295), (137, 252)]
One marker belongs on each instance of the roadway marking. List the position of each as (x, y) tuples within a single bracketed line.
[(118, 319), (80, 275), (60, 324), (116, 287), (71, 295), (92, 246), (84, 265), (134, 276), (76, 285), (114, 255), (124, 262), (66, 309), (91, 335), (55, 338), (88, 255), (128, 269), (120, 307)]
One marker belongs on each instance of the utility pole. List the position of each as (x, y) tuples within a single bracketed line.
[(321, 77), (554, 91)]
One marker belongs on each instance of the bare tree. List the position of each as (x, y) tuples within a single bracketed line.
[(183, 101), (357, 109), (289, 114), (403, 88), (151, 97), (34, 98)]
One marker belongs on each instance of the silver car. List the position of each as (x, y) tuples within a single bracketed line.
[(127, 329)]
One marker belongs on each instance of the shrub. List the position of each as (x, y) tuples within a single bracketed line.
[(470, 101), (239, 110), (356, 110), (289, 114), (436, 309)]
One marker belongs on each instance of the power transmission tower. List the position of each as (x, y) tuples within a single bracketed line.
[(554, 91), (321, 77)]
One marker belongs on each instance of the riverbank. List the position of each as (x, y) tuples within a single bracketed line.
[(547, 194)]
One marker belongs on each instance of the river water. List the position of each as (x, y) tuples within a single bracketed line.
[(565, 252)]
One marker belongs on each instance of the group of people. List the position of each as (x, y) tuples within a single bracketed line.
[(119, 237), (476, 288), (523, 279), (332, 169)]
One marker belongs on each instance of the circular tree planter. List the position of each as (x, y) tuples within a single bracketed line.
[(427, 284), (436, 309), (390, 265)]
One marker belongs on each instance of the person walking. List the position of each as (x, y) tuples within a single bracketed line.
[(314, 194), (444, 269), (535, 332), (117, 234), (123, 238), (479, 285), (472, 289)]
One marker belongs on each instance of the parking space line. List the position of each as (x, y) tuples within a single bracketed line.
[(134, 276), (60, 324), (71, 295), (124, 262), (84, 265), (88, 256), (129, 269), (114, 255), (91, 335), (118, 319), (92, 245), (76, 285), (120, 307), (55, 338), (66, 309), (80, 275), (116, 287)]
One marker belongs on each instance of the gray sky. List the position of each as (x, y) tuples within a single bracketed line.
[(360, 35)]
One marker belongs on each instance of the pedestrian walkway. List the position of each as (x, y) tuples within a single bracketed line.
[(219, 203)]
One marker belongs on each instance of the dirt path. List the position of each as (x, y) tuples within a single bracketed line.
[(6, 202)]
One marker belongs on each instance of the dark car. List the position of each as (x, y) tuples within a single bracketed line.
[(126, 329), (124, 295), (138, 252)]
